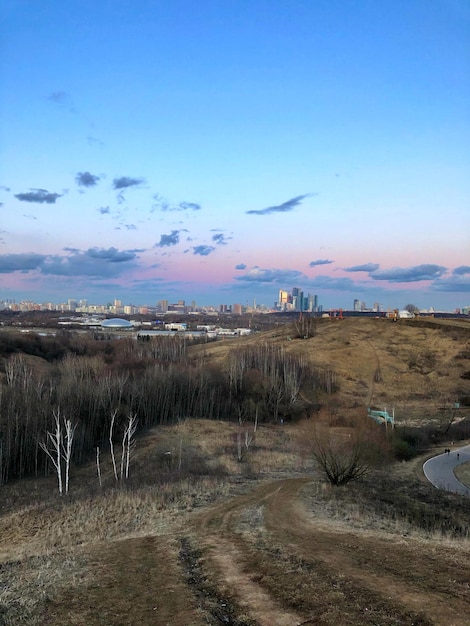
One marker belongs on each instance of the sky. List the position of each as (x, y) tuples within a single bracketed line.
[(220, 150)]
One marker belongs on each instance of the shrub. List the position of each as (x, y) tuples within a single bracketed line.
[(402, 450)]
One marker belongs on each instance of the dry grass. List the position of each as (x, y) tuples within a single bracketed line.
[(462, 472), (421, 362), (47, 547), (27, 583), (180, 470), (157, 495), (45, 537)]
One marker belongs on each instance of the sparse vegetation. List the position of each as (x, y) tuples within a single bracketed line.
[(345, 454), (157, 382), (277, 541), (401, 502)]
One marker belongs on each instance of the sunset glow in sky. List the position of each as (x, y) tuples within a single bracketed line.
[(218, 151)]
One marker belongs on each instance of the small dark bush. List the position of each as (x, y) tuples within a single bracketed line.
[(402, 451)]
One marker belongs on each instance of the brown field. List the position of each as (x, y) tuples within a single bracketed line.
[(419, 362), (264, 541)]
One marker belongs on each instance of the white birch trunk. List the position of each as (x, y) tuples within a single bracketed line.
[(111, 445), (131, 428), (67, 449), (52, 447), (98, 468)]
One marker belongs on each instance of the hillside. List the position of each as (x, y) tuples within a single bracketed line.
[(417, 367), (198, 535)]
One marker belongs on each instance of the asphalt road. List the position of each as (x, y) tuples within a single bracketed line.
[(440, 470)]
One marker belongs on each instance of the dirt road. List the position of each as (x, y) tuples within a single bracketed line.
[(263, 559)]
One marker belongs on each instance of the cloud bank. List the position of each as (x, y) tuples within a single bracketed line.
[(94, 262), (281, 276), (413, 274)]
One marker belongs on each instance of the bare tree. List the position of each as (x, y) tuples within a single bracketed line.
[(249, 436), (305, 326), (412, 308), (245, 434), (98, 467), (347, 454), (239, 441), (17, 371), (58, 447), (53, 448), (128, 444), (111, 444), (67, 443), (293, 373)]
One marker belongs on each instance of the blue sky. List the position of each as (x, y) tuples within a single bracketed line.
[(218, 151)]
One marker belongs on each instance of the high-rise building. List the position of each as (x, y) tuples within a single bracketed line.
[(117, 307), (162, 306), (283, 299), (312, 303), (297, 299)]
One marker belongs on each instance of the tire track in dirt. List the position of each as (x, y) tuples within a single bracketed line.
[(264, 560), (421, 581), (408, 584), (250, 596), (133, 582)]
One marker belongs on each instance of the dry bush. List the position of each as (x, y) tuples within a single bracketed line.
[(345, 453)]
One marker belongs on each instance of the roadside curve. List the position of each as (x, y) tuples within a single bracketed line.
[(440, 470)]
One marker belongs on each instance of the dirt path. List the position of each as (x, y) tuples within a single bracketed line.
[(344, 578), (263, 559), (134, 582)]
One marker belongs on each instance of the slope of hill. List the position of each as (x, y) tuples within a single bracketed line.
[(198, 535), (419, 367)]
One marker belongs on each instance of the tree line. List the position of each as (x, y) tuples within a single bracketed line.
[(161, 381)]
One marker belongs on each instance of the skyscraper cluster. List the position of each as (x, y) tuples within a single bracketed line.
[(297, 300)]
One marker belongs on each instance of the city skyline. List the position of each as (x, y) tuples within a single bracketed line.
[(294, 301), (218, 152)]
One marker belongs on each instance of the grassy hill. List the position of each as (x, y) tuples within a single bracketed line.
[(199, 536), (417, 366)]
